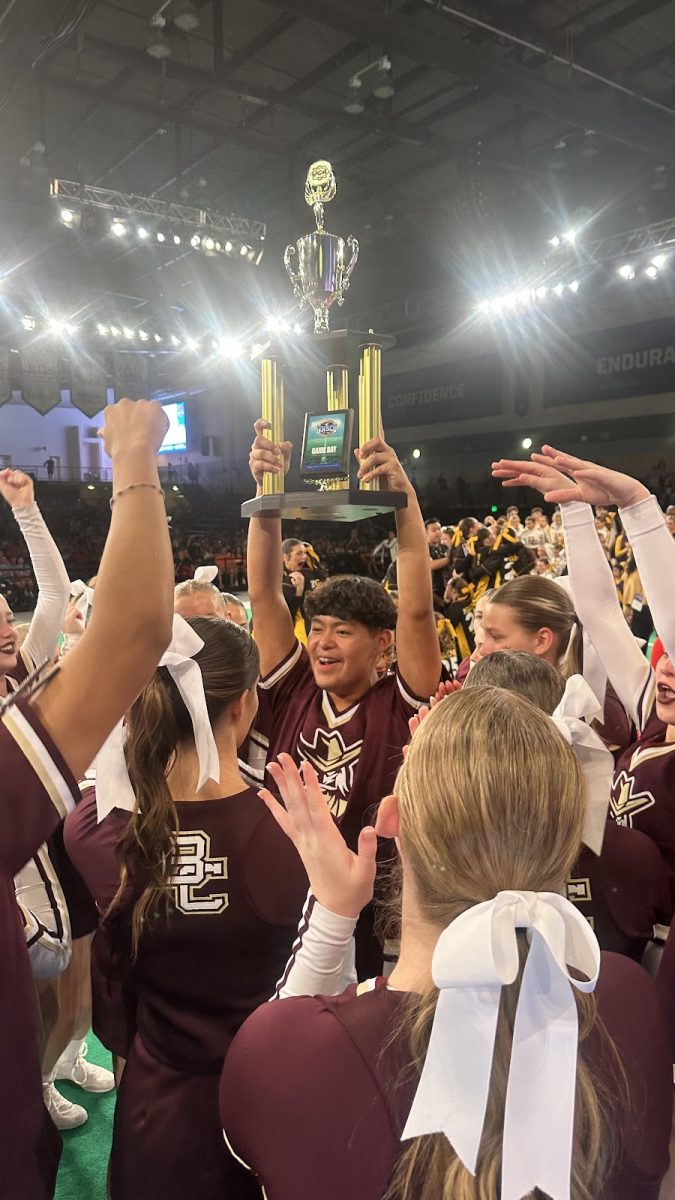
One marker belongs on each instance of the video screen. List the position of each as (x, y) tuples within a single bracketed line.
[(176, 436)]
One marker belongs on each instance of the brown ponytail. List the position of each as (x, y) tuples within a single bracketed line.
[(157, 724)]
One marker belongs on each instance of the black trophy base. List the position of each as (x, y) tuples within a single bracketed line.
[(347, 504)]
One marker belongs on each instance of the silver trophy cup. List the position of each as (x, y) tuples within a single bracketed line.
[(322, 272)]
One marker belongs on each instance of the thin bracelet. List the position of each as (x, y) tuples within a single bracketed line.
[(130, 487)]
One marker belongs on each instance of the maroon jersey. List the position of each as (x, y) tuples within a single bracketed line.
[(236, 900), (312, 1095), (643, 791), (202, 968), (37, 790), (355, 753), (624, 892)]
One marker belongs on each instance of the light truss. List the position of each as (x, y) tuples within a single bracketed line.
[(632, 241), (129, 204)]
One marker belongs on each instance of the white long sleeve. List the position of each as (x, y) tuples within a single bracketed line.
[(322, 958), (45, 916), (53, 586), (654, 550), (597, 606)]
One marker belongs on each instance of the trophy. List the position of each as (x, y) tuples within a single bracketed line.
[(320, 266)]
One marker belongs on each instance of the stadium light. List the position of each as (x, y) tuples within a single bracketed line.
[(526, 443), (118, 229), (417, 453), (627, 271)]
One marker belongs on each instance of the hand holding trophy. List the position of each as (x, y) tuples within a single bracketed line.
[(320, 278)]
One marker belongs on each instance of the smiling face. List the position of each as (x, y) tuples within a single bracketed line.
[(344, 655), (9, 639), (665, 690), (434, 532)]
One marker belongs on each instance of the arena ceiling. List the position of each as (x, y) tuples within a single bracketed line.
[(501, 129)]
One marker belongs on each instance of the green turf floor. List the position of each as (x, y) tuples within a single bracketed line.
[(84, 1162)]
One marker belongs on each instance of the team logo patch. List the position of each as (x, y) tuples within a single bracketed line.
[(334, 763), (327, 428), (626, 803), (194, 870)]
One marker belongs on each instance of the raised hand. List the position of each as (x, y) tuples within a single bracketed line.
[(593, 484), (267, 455), (377, 459), (541, 473), (131, 424), (16, 488), (340, 880)]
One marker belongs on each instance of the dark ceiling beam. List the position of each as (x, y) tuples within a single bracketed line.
[(195, 77), (110, 89), (490, 72), (616, 21), (237, 60)]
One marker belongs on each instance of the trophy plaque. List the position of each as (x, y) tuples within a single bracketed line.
[(320, 266)]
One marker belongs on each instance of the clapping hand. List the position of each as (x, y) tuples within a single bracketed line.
[(339, 879)]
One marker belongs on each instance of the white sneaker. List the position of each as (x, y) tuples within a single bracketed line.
[(64, 1114), (85, 1074)]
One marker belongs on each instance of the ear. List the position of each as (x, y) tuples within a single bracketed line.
[(387, 820), (236, 708), (544, 641), (385, 638)]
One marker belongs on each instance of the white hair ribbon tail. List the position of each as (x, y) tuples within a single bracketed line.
[(178, 660), (113, 787), (83, 597), (578, 706), (205, 574), (474, 957)]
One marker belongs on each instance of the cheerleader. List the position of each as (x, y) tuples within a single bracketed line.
[(200, 920), (644, 780), (484, 1064), (48, 738)]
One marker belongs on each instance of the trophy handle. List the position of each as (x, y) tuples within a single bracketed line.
[(292, 275), (346, 274)]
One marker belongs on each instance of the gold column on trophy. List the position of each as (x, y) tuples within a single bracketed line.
[(370, 401), (273, 411), (337, 387)]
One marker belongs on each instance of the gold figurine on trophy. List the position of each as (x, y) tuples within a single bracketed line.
[(321, 278)]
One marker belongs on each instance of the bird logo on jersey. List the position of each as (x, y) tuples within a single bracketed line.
[(625, 804), (334, 763)]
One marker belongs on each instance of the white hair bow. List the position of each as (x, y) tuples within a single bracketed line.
[(206, 574), (474, 957), (113, 786), (579, 705), (83, 597)]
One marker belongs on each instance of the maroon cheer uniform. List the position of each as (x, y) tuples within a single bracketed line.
[(624, 892), (314, 1098), (643, 791), (204, 966), (37, 790)]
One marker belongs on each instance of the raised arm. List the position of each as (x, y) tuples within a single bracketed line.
[(131, 618), (50, 573), (593, 589), (272, 622), (417, 647), (652, 543)]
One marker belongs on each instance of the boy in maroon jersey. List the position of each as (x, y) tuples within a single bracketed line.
[(324, 704)]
